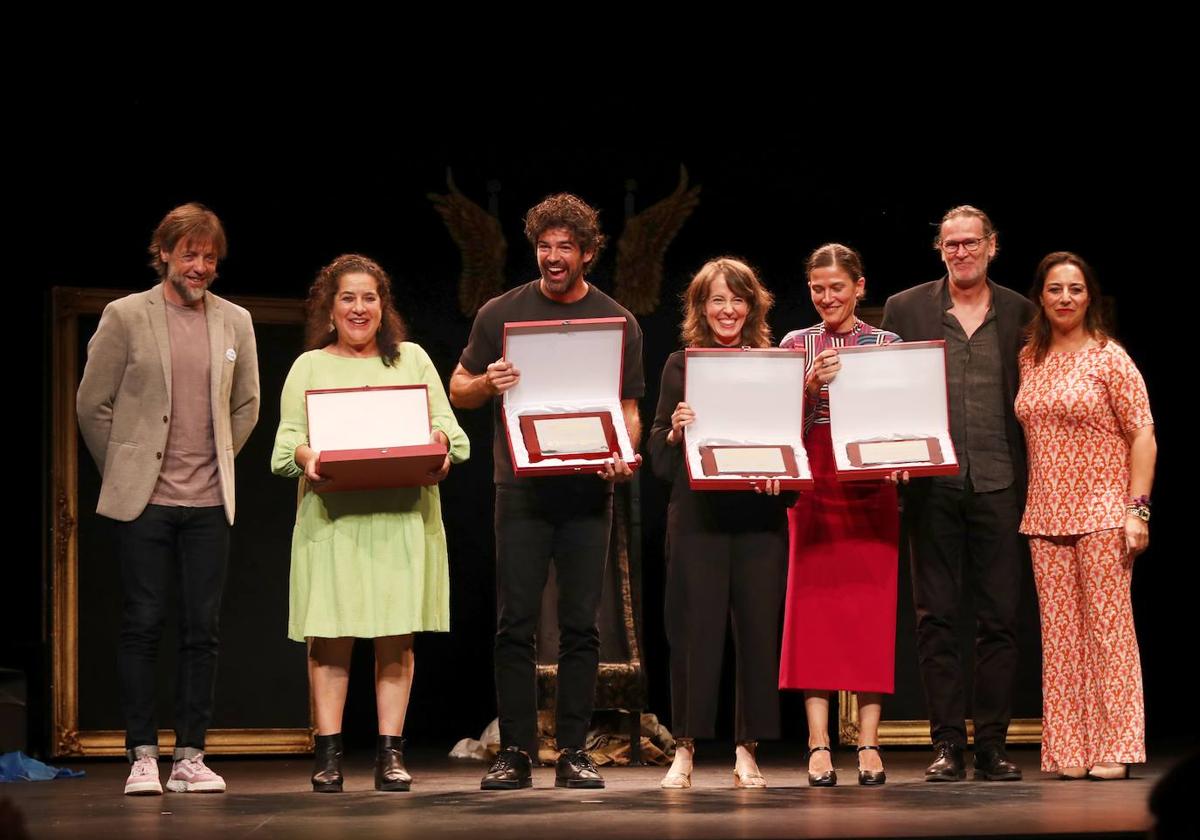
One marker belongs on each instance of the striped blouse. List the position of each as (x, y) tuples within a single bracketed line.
[(814, 340)]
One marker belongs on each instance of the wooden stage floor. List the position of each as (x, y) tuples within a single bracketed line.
[(269, 798)]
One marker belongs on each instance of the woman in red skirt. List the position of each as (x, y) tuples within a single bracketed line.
[(839, 627)]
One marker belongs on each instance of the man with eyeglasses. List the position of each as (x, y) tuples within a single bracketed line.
[(962, 529)]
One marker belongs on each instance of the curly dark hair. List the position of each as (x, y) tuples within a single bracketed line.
[(564, 210), (192, 222), (1037, 333), (743, 282), (319, 332)]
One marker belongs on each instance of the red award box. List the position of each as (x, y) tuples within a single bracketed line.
[(372, 438), (749, 424), (564, 414), (889, 410)]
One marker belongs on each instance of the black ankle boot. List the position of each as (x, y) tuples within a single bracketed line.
[(327, 764), (389, 764)]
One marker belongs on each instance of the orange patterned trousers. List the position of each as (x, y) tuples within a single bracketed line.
[(1092, 708)]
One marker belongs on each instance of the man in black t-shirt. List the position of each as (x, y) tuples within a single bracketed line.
[(567, 518)]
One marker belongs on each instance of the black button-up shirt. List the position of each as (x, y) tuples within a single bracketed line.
[(975, 381)]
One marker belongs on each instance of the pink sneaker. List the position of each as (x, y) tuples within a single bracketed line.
[(190, 775), (143, 778)]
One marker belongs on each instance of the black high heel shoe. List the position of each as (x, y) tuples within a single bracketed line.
[(327, 764), (870, 777), (826, 779), (390, 773)]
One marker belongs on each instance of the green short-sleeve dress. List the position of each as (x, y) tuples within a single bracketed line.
[(370, 563)]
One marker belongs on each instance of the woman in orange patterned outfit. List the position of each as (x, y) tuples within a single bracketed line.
[(1090, 435)]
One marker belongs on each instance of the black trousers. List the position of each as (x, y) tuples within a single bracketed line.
[(723, 565), (192, 544), (567, 520), (712, 577), (962, 538)]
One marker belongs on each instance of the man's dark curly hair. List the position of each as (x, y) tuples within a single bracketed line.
[(564, 210)]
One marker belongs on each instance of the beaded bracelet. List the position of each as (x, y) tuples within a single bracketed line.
[(1142, 512)]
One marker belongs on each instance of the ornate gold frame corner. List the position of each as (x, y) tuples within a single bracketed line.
[(916, 732)]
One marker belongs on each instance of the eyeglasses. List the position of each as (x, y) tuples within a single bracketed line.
[(972, 245)]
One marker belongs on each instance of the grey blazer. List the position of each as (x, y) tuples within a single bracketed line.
[(124, 398)]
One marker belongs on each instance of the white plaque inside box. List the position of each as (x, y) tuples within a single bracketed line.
[(586, 436), (888, 411), (765, 460), (876, 453), (372, 438), (564, 414), (749, 406)]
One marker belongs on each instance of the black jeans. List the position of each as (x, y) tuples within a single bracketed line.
[(568, 519), (195, 543), (959, 536)]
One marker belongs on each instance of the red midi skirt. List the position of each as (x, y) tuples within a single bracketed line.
[(839, 626)]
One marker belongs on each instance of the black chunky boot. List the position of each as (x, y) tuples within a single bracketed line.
[(327, 764), (389, 764)]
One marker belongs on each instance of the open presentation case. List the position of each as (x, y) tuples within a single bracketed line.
[(749, 425), (889, 410), (564, 414), (372, 438)]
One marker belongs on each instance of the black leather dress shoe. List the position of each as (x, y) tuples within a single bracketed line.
[(510, 771), (992, 764), (390, 773), (574, 769), (948, 765)]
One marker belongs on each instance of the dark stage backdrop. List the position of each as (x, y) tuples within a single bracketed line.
[(292, 200)]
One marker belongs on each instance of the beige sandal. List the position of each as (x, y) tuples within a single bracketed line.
[(675, 780), (748, 779), (1108, 771)]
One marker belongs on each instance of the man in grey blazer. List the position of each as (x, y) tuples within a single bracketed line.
[(962, 529), (168, 397)]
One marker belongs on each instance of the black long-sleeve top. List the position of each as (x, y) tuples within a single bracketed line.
[(728, 511)]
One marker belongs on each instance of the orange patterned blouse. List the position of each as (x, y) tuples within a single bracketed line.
[(1077, 409)]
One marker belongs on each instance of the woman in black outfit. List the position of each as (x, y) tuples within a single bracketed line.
[(726, 551)]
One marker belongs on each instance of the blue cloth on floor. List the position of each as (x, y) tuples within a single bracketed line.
[(18, 767)]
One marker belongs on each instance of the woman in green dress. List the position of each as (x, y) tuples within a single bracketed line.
[(365, 564)]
